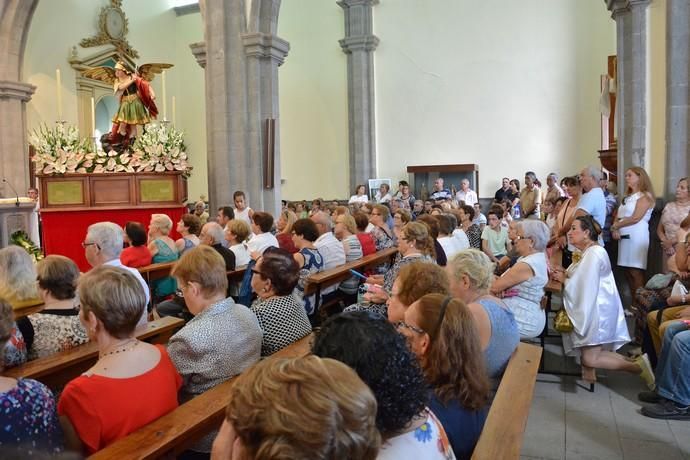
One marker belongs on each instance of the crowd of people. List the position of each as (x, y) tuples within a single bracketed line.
[(402, 367)]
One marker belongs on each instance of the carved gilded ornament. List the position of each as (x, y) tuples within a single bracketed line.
[(112, 29)]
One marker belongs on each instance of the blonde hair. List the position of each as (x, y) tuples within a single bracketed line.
[(476, 266), (404, 214), (339, 210), (349, 223), (383, 210), (6, 326), (645, 183), (162, 222), (240, 229), (419, 233), (420, 278), (335, 418), (290, 218), (115, 297), (17, 274), (205, 266)]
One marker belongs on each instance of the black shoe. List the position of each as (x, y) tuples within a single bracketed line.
[(667, 410), (650, 397)]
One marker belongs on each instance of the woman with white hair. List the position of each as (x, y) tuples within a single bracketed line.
[(19, 288), (522, 286), (163, 249)]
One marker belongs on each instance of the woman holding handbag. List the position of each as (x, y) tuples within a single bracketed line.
[(591, 300)]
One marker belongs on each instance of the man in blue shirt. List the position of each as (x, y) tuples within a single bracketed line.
[(439, 192), (591, 202)]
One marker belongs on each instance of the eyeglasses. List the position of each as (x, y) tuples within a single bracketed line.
[(402, 324), (84, 245)]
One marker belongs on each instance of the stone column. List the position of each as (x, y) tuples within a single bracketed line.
[(631, 51), (677, 94), (359, 45), (241, 61)]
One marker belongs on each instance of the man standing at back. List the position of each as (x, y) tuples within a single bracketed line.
[(439, 192), (591, 202), (103, 245)]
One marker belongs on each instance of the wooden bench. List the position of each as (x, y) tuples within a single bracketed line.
[(177, 431), (28, 310), (501, 437), (326, 278), (58, 369), (155, 272)]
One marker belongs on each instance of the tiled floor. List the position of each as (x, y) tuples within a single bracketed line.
[(568, 422)]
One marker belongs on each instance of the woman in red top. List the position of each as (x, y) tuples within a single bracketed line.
[(137, 254), (284, 236), (365, 238), (133, 382)]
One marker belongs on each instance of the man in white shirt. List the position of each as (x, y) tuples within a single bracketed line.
[(466, 194), (261, 225), (103, 245), (331, 249)]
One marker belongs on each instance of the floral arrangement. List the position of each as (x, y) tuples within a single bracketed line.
[(21, 239), (60, 150)]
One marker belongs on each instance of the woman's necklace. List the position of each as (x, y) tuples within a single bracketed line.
[(121, 348)]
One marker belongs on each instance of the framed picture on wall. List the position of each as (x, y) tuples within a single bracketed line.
[(374, 185)]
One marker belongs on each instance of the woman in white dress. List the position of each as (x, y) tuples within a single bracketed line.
[(631, 227), (594, 307)]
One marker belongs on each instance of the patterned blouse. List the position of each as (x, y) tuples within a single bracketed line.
[(429, 441), (52, 331), (382, 239), (474, 234), (671, 217), (28, 419), (313, 263), (283, 321)]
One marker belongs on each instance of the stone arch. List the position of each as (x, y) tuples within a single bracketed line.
[(15, 19)]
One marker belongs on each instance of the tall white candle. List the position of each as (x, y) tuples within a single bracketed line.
[(174, 111), (58, 86), (93, 116), (165, 104)]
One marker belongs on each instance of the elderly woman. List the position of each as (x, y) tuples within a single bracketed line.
[(522, 285), (222, 340), (28, 416), (189, 227), (284, 226), (360, 195), (431, 223), (133, 374), (163, 249), (137, 254), (383, 360), (471, 273), (443, 335), (345, 230), (400, 218), (18, 278), (200, 212), (383, 194), (414, 281), (337, 420), (382, 234), (364, 237), (56, 327), (472, 230), (593, 305), (281, 316), (673, 214), (414, 245), (309, 259), (236, 234)]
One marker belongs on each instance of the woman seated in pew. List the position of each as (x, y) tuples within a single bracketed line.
[(137, 254), (163, 249), (28, 417), (281, 316), (414, 281), (414, 245), (383, 360), (432, 225), (591, 300), (132, 383), (345, 230), (18, 287), (308, 258), (443, 335), (522, 285), (57, 326), (189, 227), (471, 273), (222, 340), (364, 237), (336, 421), (381, 233), (284, 226), (236, 235)]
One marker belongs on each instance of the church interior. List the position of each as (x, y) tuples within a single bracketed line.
[(470, 178)]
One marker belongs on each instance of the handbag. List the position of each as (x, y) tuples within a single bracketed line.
[(562, 323)]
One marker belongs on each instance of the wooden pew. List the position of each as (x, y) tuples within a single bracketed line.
[(155, 272), (58, 369), (181, 428), (501, 437), (326, 278), (29, 310)]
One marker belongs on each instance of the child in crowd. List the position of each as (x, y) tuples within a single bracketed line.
[(242, 211)]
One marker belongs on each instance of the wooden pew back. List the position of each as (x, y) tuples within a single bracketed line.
[(177, 431), (501, 437), (58, 369)]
